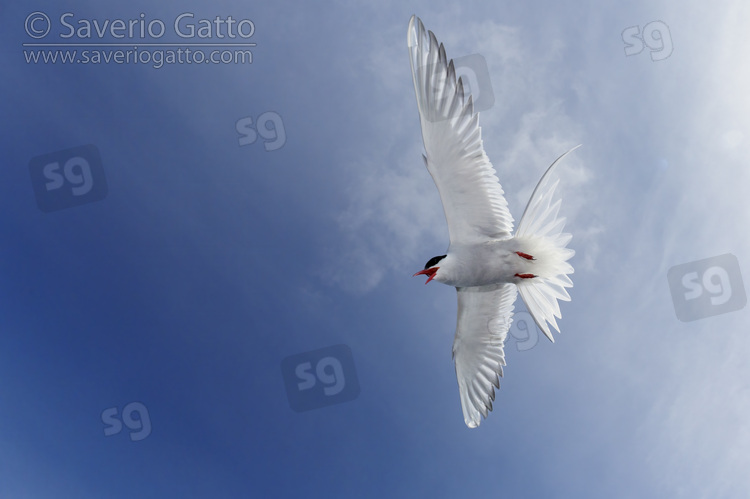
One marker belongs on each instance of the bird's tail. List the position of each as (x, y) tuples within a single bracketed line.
[(542, 228)]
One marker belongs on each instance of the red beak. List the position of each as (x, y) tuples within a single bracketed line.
[(428, 272)]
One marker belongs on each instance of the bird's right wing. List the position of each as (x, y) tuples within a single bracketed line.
[(484, 317), (473, 200)]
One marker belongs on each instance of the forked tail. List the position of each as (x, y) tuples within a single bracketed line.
[(540, 223)]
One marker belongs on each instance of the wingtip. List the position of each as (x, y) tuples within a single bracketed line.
[(413, 33)]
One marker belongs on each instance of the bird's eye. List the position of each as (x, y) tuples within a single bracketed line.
[(433, 261)]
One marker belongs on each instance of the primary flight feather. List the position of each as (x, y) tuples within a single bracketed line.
[(485, 261)]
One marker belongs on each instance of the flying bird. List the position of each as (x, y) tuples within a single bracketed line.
[(486, 262)]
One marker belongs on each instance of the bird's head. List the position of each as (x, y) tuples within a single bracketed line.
[(430, 268)]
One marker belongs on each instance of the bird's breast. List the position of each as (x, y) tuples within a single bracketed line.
[(483, 264)]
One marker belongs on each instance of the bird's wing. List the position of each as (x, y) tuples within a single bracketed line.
[(484, 317), (472, 197)]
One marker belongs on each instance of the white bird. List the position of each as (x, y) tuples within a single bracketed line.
[(485, 261)]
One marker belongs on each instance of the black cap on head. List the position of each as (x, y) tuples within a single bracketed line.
[(433, 261)]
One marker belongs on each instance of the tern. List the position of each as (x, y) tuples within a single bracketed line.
[(486, 262)]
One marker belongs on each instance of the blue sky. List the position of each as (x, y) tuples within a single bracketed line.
[(208, 262)]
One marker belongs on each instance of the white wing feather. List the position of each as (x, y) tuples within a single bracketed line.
[(484, 317), (473, 201)]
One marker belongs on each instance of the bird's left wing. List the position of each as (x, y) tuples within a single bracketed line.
[(484, 317), (473, 200)]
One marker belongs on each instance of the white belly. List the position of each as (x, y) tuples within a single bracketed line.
[(484, 264), (497, 261)]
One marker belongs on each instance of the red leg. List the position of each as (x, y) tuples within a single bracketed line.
[(525, 276), (524, 255)]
